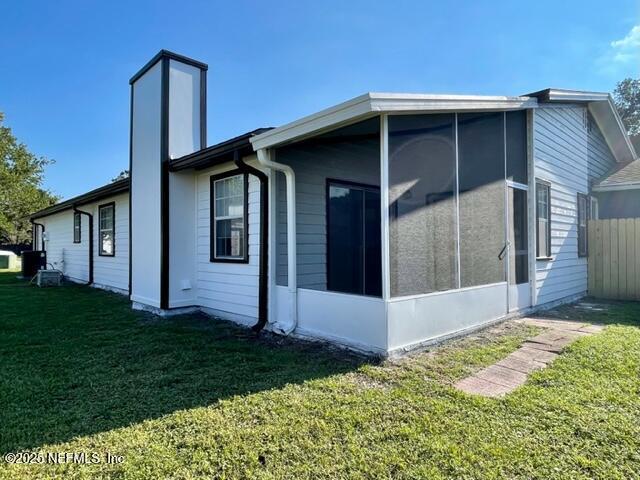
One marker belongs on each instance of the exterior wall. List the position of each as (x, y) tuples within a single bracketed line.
[(62, 254), (73, 258), (569, 157), (182, 239), (145, 188), (353, 320), (229, 290), (600, 159), (422, 318), (619, 204), (313, 165)]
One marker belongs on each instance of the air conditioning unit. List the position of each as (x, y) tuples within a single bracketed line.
[(49, 278)]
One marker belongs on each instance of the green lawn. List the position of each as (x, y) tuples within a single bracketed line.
[(189, 397)]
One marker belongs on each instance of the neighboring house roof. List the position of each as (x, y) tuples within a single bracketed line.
[(113, 188), (370, 104), (626, 177), (216, 154)]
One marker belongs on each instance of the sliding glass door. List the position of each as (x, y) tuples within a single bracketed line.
[(353, 238)]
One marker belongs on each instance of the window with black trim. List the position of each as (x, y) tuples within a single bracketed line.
[(107, 229), (543, 219), (77, 227), (583, 215), (229, 218)]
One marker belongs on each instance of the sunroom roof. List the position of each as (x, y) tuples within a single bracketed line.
[(372, 103)]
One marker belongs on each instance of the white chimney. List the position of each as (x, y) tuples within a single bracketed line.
[(168, 120)]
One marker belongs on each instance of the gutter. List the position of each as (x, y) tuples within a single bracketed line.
[(292, 279), (90, 216), (36, 224), (263, 286)]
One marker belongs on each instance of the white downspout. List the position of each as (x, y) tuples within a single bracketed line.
[(292, 278)]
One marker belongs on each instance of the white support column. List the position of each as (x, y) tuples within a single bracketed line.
[(531, 171), (384, 212), (384, 205)]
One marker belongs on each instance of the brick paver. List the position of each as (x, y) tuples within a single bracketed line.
[(535, 353)]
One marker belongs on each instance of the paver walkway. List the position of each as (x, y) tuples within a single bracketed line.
[(535, 353)]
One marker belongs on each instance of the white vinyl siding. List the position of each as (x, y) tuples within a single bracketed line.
[(560, 153), (231, 289), (62, 254), (113, 271), (73, 258), (570, 153)]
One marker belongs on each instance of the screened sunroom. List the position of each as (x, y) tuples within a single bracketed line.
[(411, 218)]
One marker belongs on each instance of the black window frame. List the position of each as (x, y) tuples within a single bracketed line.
[(547, 185), (113, 229), (583, 230), (212, 217), (77, 227), (329, 182)]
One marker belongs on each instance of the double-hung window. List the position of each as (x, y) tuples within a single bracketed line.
[(229, 218), (77, 227), (583, 215), (107, 221), (543, 219)]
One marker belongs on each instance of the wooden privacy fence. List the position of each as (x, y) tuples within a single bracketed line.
[(614, 258)]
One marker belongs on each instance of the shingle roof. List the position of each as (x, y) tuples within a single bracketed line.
[(113, 188), (627, 175)]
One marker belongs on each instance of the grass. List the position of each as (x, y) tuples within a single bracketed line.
[(189, 397)]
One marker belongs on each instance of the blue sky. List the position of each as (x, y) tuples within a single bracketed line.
[(66, 65)]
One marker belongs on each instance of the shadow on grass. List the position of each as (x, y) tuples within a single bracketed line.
[(596, 310), (77, 361)]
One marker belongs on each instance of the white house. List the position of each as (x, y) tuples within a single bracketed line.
[(410, 217)]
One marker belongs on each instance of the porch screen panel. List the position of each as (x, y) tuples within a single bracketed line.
[(517, 146), (481, 169), (422, 217)]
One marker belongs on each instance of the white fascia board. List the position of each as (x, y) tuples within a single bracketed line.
[(370, 104), (617, 187), (560, 95), (400, 102), (343, 112), (606, 116)]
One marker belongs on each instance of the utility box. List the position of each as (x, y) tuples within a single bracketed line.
[(32, 261), (49, 278)]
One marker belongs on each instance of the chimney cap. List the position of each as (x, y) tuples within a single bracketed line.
[(171, 55)]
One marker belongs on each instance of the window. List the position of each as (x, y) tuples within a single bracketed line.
[(107, 222), (543, 219), (229, 218), (77, 226), (353, 238), (583, 215)]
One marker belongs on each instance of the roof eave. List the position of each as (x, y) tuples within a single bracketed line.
[(371, 104), (110, 190), (617, 187), (215, 154)]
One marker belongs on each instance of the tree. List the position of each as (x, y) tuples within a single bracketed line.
[(627, 100), (121, 176), (21, 192)]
